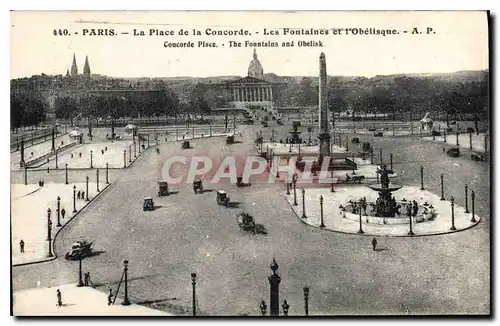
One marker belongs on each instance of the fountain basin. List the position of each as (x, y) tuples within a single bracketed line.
[(378, 187)]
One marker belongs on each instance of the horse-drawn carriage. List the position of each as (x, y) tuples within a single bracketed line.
[(162, 188), (247, 223), (222, 198), (198, 187), (185, 145)]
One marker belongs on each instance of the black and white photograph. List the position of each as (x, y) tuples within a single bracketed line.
[(250, 163)]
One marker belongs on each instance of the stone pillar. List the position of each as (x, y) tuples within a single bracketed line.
[(324, 135)]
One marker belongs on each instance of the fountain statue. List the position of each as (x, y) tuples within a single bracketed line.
[(295, 133), (386, 205)]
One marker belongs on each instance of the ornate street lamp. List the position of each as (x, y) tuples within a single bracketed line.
[(126, 302), (49, 233), (306, 300), (66, 170), (322, 224), (87, 188), (74, 199), (193, 282), (452, 200), (80, 281), (59, 212), (91, 165), (473, 197), (304, 203)]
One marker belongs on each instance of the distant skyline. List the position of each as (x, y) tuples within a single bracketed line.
[(460, 43)]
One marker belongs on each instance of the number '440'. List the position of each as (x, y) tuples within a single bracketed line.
[(60, 32)]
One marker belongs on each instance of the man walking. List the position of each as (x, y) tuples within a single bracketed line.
[(374, 244), (63, 212), (59, 298), (110, 297), (21, 245)]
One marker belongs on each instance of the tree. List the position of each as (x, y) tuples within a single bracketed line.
[(27, 109)]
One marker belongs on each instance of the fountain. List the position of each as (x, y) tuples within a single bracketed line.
[(295, 133), (386, 205)]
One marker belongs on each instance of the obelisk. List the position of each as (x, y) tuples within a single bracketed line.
[(324, 135)]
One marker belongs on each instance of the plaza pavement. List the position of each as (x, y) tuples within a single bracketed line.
[(29, 217), (190, 233), (478, 142), (77, 301), (333, 218), (37, 150)]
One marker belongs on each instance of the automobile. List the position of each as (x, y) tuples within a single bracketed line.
[(470, 130), (148, 204), (79, 250), (222, 198), (247, 223), (162, 188), (197, 187), (436, 133), (279, 121), (230, 139), (355, 140), (264, 124), (379, 134), (186, 145), (453, 152)]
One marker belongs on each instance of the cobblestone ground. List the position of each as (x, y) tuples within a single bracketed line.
[(190, 233)]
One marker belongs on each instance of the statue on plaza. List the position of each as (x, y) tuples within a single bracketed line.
[(384, 176)]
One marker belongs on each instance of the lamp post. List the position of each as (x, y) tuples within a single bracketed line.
[(49, 233), (306, 300), (473, 196), (80, 281), (193, 282), (74, 199), (285, 307), (274, 281), (287, 187), (457, 138), (452, 200), (91, 165), (125, 302), (294, 192), (125, 158), (263, 308), (25, 175), (444, 135), (135, 148), (97, 179), (57, 165), (411, 222), (87, 188), (466, 199), (371, 155), (331, 189), (390, 157), (107, 173), (322, 224), (303, 203), (59, 212), (360, 231), (442, 186), (66, 172), (381, 157), (421, 178), (129, 153)]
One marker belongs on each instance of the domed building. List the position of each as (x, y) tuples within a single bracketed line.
[(251, 91), (255, 69)]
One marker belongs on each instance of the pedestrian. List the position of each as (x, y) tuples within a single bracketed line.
[(444, 149), (83, 194), (110, 297), (71, 155), (21, 245), (374, 244), (78, 194), (59, 298), (63, 212), (102, 151), (106, 148), (86, 278), (80, 154), (415, 208)]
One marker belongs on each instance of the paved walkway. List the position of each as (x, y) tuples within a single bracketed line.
[(334, 221), (29, 216), (77, 301), (478, 141), (37, 150)]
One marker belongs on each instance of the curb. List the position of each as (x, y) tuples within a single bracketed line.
[(59, 230), (28, 193), (479, 219)]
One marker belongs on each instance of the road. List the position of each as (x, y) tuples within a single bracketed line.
[(191, 233)]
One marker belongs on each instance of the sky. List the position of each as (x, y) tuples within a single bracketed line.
[(458, 41)]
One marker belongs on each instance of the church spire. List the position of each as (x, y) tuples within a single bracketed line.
[(255, 54), (74, 68), (86, 67), (67, 72)]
